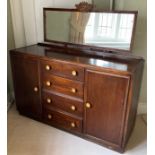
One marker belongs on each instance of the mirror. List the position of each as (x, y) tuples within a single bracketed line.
[(110, 30)]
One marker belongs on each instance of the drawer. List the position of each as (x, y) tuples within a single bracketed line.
[(63, 69), (70, 105), (62, 85), (61, 120)]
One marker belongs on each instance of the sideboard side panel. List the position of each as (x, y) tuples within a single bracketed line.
[(133, 100), (26, 77)]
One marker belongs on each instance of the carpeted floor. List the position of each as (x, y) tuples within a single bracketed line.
[(29, 137)]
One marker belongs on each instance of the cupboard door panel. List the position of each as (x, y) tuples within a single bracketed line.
[(105, 101), (26, 84)]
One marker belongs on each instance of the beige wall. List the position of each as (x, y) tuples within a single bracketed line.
[(119, 4), (10, 39), (11, 44), (102, 4), (140, 43), (140, 46)]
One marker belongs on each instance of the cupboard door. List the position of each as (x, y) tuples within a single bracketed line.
[(105, 102), (26, 85)]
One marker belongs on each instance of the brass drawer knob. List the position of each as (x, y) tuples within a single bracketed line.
[(88, 105), (49, 100), (48, 83), (36, 89), (73, 125), (74, 73), (73, 108), (49, 116), (47, 67), (73, 90)]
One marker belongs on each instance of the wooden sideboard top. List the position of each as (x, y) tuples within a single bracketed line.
[(123, 63)]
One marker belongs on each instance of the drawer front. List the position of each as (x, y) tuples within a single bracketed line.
[(62, 121), (61, 85), (63, 69), (72, 106)]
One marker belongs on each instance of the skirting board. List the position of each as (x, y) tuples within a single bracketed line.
[(142, 108)]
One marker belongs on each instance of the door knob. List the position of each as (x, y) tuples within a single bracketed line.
[(73, 125), (74, 73), (48, 100), (47, 67), (49, 116), (48, 83), (73, 108), (88, 105), (36, 89), (73, 90)]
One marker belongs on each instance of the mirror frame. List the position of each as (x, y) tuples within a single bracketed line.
[(91, 47)]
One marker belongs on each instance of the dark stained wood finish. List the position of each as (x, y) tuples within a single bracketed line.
[(62, 85), (94, 10), (61, 120), (125, 63), (107, 94), (63, 70), (133, 97), (63, 102), (110, 82), (26, 78)]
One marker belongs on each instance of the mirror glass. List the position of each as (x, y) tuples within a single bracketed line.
[(100, 29)]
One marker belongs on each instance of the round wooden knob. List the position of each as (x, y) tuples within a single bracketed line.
[(36, 89), (88, 105), (48, 83), (49, 116), (47, 67), (49, 100), (73, 90), (73, 108), (74, 73), (73, 125)]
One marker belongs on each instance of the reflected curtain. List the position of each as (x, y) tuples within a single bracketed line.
[(78, 25)]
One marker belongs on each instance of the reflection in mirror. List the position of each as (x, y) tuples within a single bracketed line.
[(110, 30)]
